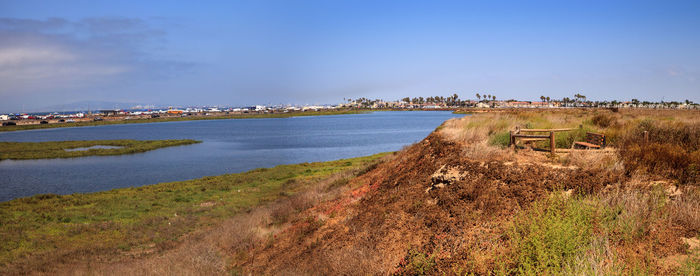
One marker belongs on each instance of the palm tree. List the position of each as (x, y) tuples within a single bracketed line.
[(566, 101), (542, 98), (478, 96)]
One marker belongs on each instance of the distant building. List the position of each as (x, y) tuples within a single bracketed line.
[(4, 117), (109, 112)]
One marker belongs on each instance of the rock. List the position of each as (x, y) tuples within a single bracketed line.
[(693, 243), (445, 176), (673, 191)]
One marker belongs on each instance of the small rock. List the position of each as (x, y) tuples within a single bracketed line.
[(693, 243), (673, 191), (445, 176)]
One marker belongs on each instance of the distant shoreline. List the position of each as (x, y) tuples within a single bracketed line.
[(141, 120)]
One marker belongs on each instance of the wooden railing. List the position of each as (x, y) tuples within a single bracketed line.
[(518, 134)]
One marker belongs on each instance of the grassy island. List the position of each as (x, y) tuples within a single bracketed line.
[(70, 149)]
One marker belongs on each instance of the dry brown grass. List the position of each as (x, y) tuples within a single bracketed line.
[(597, 160), (685, 209)]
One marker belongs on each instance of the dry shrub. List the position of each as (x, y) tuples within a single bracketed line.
[(673, 150), (603, 120)]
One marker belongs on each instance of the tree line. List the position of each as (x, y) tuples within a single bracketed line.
[(577, 100)]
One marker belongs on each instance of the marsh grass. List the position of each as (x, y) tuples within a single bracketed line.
[(43, 229), (46, 150)]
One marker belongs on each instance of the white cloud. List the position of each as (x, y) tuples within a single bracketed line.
[(44, 59), (37, 63), (32, 55)]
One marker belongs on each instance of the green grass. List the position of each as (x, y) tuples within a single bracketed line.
[(188, 118), (119, 220), (44, 150)]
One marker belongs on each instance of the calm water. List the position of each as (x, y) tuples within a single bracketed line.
[(229, 146)]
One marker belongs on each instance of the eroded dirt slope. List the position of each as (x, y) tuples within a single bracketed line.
[(430, 200)]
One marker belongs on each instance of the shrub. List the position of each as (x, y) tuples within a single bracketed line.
[(501, 139), (416, 263), (548, 237), (603, 120), (672, 150)]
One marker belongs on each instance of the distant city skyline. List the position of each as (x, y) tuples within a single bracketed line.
[(56, 53)]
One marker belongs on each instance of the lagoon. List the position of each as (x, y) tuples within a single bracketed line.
[(228, 146)]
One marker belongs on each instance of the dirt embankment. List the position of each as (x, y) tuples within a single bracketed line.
[(430, 200)]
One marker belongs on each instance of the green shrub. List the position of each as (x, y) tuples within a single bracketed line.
[(548, 237), (418, 263), (500, 139)]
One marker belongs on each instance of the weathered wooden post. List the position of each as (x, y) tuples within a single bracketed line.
[(551, 142), (646, 137), (510, 143)]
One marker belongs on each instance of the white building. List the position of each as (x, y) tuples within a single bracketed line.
[(4, 117)]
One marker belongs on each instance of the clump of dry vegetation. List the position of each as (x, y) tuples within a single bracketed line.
[(672, 150)]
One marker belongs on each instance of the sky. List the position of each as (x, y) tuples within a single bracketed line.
[(237, 53)]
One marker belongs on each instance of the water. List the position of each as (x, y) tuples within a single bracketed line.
[(228, 146), (93, 147)]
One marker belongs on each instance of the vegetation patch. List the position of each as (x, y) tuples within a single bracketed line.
[(549, 236), (670, 150), (56, 228), (70, 149)]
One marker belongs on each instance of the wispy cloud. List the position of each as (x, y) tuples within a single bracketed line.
[(54, 55)]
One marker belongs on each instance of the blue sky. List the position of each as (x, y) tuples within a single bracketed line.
[(310, 52)]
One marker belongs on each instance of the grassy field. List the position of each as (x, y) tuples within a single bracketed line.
[(188, 118), (48, 228), (45, 150)]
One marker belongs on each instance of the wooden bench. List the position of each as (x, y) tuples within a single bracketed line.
[(593, 141)]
